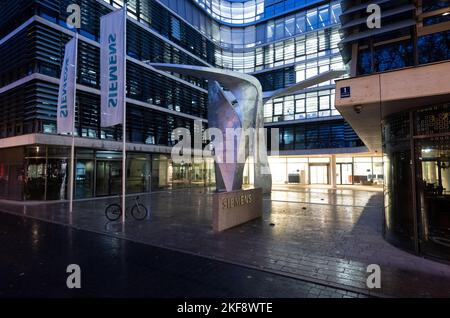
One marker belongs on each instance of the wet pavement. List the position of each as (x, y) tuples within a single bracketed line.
[(321, 235), (35, 258)]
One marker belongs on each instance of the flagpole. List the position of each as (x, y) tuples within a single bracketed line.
[(124, 125), (72, 151)]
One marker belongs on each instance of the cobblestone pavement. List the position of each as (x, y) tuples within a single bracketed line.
[(323, 235), (35, 259)]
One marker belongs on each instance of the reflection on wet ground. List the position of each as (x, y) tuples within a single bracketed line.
[(323, 235), (34, 263)]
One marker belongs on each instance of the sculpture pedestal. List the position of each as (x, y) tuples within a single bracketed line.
[(234, 208)]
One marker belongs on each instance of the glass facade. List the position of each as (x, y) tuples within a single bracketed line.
[(399, 45), (434, 47), (40, 172), (232, 35), (235, 12), (331, 135), (432, 5), (304, 170), (315, 104), (241, 12), (316, 45)]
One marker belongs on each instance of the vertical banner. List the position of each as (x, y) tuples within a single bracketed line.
[(112, 68), (67, 84)]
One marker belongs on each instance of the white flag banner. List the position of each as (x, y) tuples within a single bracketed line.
[(112, 68), (66, 97)]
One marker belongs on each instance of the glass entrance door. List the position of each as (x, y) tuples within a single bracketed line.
[(344, 173), (35, 179), (84, 179), (181, 175), (318, 174), (109, 178), (433, 187)]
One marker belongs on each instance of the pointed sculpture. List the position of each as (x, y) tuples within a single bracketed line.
[(246, 113)]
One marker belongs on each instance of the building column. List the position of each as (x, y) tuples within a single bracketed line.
[(333, 171)]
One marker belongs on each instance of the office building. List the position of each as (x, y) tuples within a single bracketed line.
[(400, 76)]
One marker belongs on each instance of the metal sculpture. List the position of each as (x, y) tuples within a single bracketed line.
[(245, 112)]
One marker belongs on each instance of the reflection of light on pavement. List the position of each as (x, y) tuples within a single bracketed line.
[(35, 236), (71, 217)]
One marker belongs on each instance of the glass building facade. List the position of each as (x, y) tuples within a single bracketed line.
[(279, 42), (412, 45)]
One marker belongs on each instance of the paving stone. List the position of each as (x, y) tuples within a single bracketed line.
[(333, 240)]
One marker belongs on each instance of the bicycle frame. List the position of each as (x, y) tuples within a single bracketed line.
[(128, 210)]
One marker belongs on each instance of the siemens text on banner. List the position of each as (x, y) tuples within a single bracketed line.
[(66, 97), (112, 56)]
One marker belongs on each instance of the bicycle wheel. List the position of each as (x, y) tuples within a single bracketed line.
[(113, 212), (139, 212)]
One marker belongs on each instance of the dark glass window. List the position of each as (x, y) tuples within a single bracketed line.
[(431, 5), (393, 56), (434, 47), (288, 138), (277, 79), (318, 136), (436, 19), (364, 62), (176, 28)]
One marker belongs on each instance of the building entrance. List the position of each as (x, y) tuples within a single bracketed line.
[(318, 173), (109, 178), (433, 195), (417, 193), (344, 173)]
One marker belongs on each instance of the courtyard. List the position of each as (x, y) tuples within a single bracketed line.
[(321, 235)]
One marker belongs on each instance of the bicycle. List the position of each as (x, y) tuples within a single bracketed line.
[(114, 211)]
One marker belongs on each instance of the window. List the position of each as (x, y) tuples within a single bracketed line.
[(289, 109), (249, 36), (279, 29), (311, 45), (324, 16), (268, 112), (436, 19), (364, 62), (278, 109), (270, 31), (311, 104), (311, 20), (300, 46), (300, 22), (335, 12), (260, 33), (300, 106), (289, 51), (434, 47), (288, 138), (279, 52), (431, 5), (311, 70), (393, 56), (176, 28), (324, 102), (290, 26)]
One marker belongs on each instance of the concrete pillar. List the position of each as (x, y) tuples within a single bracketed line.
[(333, 170)]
